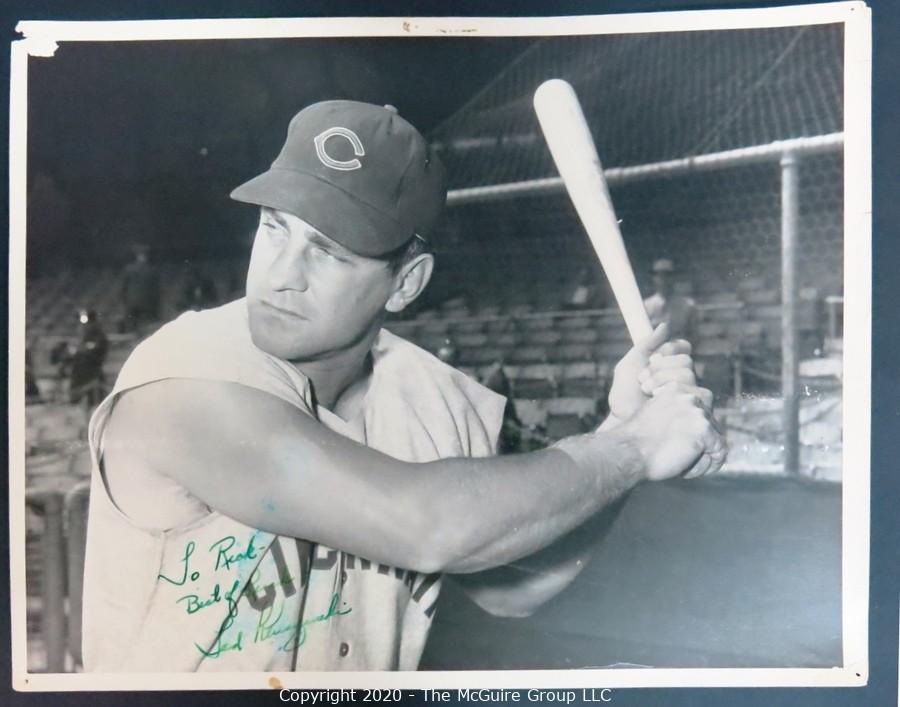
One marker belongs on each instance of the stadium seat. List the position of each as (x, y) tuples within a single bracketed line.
[(574, 322), (470, 340), (572, 352), (747, 333), (762, 296), (583, 407), (583, 380), (569, 416), (564, 425), (499, 325), (520, 309), (726, 314), (527, 354), (504, 340), (480, 355), (542, 337), (611, 330), (612, 350), (719, 346), (722, 296), (535, 324), (534, 381), (581, 336), (749, 284), (707, 330), (471, 326)]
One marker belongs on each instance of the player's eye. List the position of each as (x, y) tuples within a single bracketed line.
[(321, 251), (274, 230)]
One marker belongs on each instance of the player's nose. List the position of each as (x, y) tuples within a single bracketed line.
[(288, 271)]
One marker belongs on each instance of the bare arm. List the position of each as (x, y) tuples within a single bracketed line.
[(520, 588), (259, 460)]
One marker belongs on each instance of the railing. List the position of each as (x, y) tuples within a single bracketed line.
[(62, 545)]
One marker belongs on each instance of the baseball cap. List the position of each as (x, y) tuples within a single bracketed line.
[(357, 172)]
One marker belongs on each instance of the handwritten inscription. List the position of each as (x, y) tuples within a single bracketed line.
[(287, 634), (294, 633), (210, 573), (185, 563), (224, 558), (222, 548)]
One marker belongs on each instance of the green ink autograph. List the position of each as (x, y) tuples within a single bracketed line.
[(290, 635), (193, 602), (224, 558)]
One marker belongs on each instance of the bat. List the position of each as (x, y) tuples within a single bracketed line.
[(569, 139)]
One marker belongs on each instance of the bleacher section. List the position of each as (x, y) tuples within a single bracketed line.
[(526, 333), (559, 362)]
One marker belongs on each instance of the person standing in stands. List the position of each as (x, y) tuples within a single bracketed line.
[(198, 291), (582, 295), (664, 305), (85, 365), (32, 393), (140, 291), (495, 378)]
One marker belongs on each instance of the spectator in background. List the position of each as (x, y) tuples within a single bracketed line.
[(448, 353), (85, 363), (665, 306), (198, 291), (32, 393), (140, 291), (583, 293), (494, 378)]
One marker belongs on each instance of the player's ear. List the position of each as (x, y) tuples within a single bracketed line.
[(410, 281)]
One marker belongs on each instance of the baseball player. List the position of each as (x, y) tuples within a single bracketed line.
[(280, 483)]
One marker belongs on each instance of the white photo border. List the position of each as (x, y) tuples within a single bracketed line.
[(41, 38)]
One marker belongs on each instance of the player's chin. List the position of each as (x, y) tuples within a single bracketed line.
[(286, 349), (277, 338)]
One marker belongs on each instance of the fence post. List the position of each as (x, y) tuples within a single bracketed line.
[(76, 514), (54, 583), (789, 353)]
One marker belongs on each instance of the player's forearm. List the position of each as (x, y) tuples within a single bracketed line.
[(503, 509), (520, 588), (453, 515)]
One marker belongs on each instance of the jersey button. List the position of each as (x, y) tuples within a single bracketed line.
[(343, 578), (344, 650)]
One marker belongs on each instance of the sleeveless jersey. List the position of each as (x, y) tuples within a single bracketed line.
[(214, 594)]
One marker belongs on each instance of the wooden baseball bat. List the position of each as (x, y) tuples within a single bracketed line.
[(572, 147)]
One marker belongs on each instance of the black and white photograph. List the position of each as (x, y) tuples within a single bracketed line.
[(389, 351)]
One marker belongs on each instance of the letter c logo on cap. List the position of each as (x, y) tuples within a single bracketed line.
[(328, 161)]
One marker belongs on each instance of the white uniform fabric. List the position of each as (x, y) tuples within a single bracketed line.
[(214, 594)]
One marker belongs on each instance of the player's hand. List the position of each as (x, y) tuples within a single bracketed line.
[(646, 368), (676, 434)]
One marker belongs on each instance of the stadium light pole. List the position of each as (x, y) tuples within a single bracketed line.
[(789, 353)]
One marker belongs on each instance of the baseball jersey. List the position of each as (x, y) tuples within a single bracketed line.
[(213, 594)]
